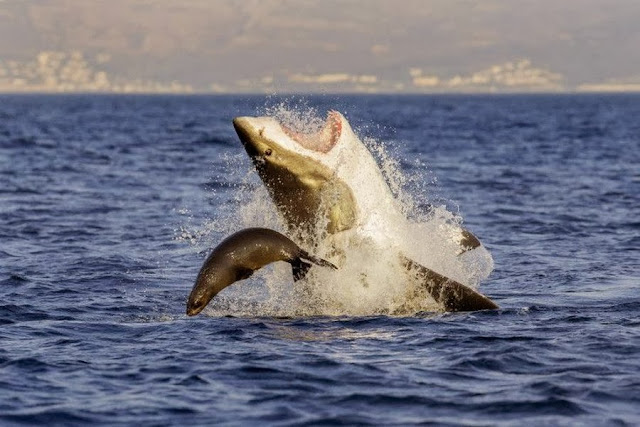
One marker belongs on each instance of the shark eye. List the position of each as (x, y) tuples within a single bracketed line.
[(268, 152)]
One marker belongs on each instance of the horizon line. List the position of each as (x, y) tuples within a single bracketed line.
[(316, 93)]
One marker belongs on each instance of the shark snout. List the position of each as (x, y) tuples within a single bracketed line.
[(251, 130), (243, 128)]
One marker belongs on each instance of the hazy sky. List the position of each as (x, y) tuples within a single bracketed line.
[(297, 45)]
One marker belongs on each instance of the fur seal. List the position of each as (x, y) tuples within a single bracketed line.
[(242, 253)]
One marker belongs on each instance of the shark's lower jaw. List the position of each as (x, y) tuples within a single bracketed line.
[(308, 196)]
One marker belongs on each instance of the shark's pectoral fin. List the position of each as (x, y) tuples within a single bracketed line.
[(452, 295), (468, 241), (338, 202)]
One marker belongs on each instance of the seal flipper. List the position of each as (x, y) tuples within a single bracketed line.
[(452, 295), (316, 260), (243, 273), (300, 269)]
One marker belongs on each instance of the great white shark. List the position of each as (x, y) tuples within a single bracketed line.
[(331, 193)]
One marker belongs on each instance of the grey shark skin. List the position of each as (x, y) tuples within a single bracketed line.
[(306, 178), (239, 255), (299, 186)]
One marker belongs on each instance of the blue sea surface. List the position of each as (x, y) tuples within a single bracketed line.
[(95, 195)]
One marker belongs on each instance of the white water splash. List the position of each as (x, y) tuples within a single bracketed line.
[(296, 115), (370, 279)]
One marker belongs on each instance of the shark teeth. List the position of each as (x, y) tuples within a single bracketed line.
[(322, 141)]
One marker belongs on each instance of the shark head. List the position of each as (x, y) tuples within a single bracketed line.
[(300, 170), (270, 141)]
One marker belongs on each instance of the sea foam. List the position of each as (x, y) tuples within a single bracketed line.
[(371, 279)]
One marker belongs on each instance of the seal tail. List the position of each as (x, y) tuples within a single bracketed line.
[(301, 268)]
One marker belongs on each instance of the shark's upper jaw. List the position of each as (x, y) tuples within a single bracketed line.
[(258, 134), (323, 140)]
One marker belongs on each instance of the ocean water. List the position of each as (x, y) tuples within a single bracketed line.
[(109, 204)]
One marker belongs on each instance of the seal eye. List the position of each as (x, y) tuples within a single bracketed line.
[(268, 152)]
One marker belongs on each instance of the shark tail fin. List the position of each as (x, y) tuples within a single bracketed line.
[(452, 295)]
